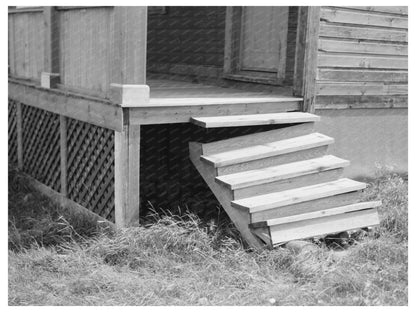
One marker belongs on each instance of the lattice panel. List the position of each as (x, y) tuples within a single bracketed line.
[(41, 147), (168, 179), (91, 167), (12, 139)]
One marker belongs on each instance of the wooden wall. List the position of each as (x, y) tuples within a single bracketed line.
[(26, 44), (362, 58)]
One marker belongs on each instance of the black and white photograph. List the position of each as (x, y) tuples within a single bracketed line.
[(207, 154)]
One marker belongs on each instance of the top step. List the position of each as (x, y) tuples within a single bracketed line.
[(254, 120)]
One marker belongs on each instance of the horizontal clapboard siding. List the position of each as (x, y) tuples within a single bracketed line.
[(363, 57)]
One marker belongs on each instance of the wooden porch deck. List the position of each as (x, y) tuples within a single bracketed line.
[(177, 102), (180, 93)]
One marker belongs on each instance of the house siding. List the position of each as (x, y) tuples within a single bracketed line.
[(362, 57)]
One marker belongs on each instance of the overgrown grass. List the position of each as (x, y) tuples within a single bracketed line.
[(177, 261)]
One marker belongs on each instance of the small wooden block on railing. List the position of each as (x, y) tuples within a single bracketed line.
[(129, 95), (49, 80)]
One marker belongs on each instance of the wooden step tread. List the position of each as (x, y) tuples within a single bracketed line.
[(268, 150), (318, 214), (303, 229), (254, 120), (298, 195), (264, 137), (271, 174)]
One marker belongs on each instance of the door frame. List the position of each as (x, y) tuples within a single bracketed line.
[(232, 52), (306, 55)]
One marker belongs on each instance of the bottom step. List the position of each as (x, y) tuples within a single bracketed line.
[(320, 223)]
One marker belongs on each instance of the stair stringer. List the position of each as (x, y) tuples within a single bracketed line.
[(240, 218)]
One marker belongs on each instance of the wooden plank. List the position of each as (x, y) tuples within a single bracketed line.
[(58, 199), (299, 195), (336, 15), (287, 184), (402, 10), (51, 41), (232, 39), (365, 33), (11, 45), (319, 214), (164, 102), (357, 46), (274, 161), (257, 138), (359, 101), (361, 61), (360, 88), (87, 109), (63, 153), (19, 133), (306, 55), (264, 235), (127, 175), (228, 53), (25, 10), (281, 172), (252, 120), (180, 114), (67, 8), (241, 219), (306, 207), (267, 150), (130, 31), (325, 225), (354, 75)]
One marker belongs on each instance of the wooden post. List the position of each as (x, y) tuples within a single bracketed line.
[(128, 89), (63, 154), (130, 27), (127, 175), (50, 75), (19, 131), (306, 56)]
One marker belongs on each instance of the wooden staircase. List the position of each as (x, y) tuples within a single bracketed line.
[(280, 185)]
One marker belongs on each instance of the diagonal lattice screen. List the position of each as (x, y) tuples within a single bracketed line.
[(41, 149), (91, 167), (12, 137)]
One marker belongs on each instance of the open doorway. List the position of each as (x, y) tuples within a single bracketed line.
[(243, 47)]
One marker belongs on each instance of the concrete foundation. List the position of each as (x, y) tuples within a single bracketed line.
[(368, 138)]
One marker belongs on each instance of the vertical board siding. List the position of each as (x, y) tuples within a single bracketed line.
[(90, 163), (86, 37), (26, 44), (363, 52)]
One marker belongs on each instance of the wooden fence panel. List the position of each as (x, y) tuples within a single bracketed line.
[(26, 44), (86, 37)]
